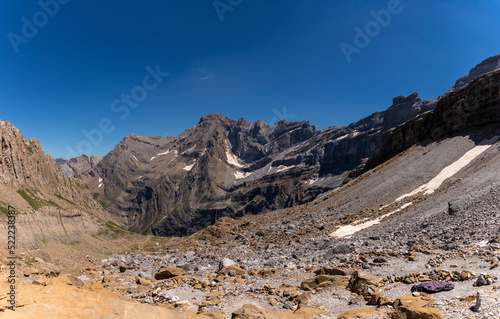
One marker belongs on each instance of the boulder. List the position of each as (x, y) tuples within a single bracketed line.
[(48, 269), (142, 281), (456, 206), (250, 311), (303, 298), (225, 262), (409, 300), (232, 270), (360, 313), (360, 279), (169, 273), (322, 281), (332, 272), (421, 312), (124, 268), (66, 279), (306, 312)]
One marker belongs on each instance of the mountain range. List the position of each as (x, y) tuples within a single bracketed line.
[(175, 186)]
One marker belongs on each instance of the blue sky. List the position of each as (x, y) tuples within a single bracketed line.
[(263, 60)]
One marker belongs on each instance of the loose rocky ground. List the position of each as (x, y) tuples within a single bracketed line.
[(197, 284)]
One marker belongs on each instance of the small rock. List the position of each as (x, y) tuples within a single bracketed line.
[(455, 206), (225, 262), (287, 305), (379, 260), (478, 302), (480, 281), (174, 299)]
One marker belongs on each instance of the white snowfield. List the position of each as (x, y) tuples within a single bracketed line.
[(233, 160), (101, 184), (164, 153), (188, 167), (427, 188), (452, 169), (240, 175), (283, 168), (348, 230), (311, 181)]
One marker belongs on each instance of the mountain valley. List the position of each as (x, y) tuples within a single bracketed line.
[(233, 219)]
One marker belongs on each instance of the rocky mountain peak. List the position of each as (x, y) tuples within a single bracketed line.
[(215, 118), (259, 125), (488, 65), (412, 98), (243, 122), (78, 165)]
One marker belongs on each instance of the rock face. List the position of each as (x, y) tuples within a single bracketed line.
[(49, 204), (488, 65), (477, 105), (221, 167), (175, 186), (78, 164)]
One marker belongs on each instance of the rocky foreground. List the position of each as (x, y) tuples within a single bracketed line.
[(282, 267), (178, 284)]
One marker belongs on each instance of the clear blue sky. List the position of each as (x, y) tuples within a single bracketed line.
[(265, 60)]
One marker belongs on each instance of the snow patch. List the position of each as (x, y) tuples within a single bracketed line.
[(427, 188), (311, 181), (164, 153), (452, 169), (101, 184), (188, 167), (188, 150), (342, 137), (135, 158), (349, 230), (233, 160), (283, 168), (240, 175), (351, 135)]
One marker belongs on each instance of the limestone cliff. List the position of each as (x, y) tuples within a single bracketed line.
[(49, 204), (476, 105)]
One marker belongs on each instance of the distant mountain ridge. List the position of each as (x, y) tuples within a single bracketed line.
[(488, 65), (78, 165), (221, 167)]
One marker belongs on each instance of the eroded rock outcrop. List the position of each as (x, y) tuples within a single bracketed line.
[(48, 204), (477, 105)]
